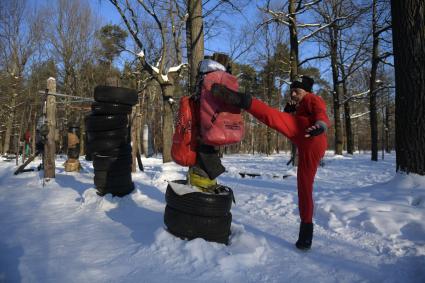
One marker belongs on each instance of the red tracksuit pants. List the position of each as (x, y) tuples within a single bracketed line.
[(310, 150)]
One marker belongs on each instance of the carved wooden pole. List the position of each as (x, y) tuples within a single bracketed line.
[(133, 134), (50, 146)]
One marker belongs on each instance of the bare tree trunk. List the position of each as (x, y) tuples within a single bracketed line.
[(373, 116), (408, 19), (269, 94), (348, 128), (337, 120), (347, 120), (139, 129), (19, 134), (167, 121), (1, 143), (293, 40), (195, 39), (9, 125), (387, 126), (143, 119), (337, 89), (34, 126), (134, 137)]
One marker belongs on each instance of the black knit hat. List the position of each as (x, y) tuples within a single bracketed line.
[(304, 82)]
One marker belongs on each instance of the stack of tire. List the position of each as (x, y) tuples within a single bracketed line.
[(108, 137), (87, 153), (199, 214)]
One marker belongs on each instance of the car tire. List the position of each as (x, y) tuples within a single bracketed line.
[(106, 123), (104, 145), (114, 134), (116, 152), (118, 191), (120, 95), (200, 203), (183, 225), (106, 163), (103, 108), (107, 180)]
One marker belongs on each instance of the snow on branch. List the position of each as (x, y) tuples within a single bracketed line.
[(141, 54), (155, 72), (358, 115), (320, 29), (307, 25), (276, 16), (177, 68), (357, 95)]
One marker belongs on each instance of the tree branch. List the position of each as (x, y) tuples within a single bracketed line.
[(163, 34), (320, 29), (384, 29), (313, 58)]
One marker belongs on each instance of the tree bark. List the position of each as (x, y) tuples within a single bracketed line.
[(408, 19), (82, 135), (50, 146), (1, 143), (373, 115), (293, 53), (195, 40), (293, 39), (348, 126), (167, 121), (9, 125), (134, 137), (387, 127), (337, 88), (34, 126)]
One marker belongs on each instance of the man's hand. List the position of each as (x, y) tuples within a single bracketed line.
[(314, 131)]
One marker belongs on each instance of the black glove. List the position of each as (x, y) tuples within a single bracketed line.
[(228, 96), (316, 131), (290, 108)]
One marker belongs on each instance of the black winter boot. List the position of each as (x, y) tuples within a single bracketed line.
[(305, 237)]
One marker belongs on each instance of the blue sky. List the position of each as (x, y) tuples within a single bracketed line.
[(233, 22), (108, 14)]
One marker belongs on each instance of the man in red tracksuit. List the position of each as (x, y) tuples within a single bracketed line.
[(306, 129)]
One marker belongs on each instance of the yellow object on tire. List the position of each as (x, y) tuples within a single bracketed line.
[(200, 181)]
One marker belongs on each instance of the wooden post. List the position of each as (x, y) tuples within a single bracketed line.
[(82, 135), (50, 146), (34, 125), (146, 145), (133, 134)]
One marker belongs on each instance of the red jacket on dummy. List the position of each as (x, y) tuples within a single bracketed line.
[(310, 111)]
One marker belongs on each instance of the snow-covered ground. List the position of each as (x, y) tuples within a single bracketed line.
[(370, 226)]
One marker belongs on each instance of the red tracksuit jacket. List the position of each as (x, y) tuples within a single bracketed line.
[(311, 110)]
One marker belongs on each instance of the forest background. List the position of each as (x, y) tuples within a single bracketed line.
[(153, 46)]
